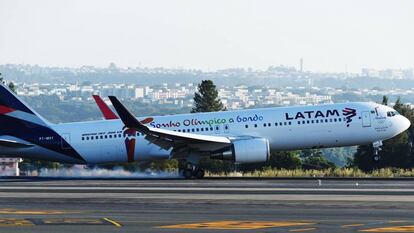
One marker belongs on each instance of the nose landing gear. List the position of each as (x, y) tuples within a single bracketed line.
[(377, 148)]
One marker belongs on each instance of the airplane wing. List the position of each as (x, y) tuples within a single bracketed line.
[(13, 144), (106, 111), (167, 139)]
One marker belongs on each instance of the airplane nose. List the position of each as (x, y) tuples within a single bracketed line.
[(404, 123)]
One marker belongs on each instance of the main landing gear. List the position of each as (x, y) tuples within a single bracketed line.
[(377, 148), (192, 171)]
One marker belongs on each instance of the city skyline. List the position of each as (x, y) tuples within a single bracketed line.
[(340, 36)]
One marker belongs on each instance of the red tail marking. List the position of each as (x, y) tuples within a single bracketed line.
[(106, 111), (4, 110)]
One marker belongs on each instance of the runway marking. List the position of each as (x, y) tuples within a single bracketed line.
[(113, 222), (35, 212), (303, 229), (13, 222), (352, 225), (391, 229), (7, 222), (70, 221), (237, 225)]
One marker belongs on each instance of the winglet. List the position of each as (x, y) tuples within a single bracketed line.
[(106, 111), (126, 116)]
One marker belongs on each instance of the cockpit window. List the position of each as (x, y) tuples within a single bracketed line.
[(392, 113)]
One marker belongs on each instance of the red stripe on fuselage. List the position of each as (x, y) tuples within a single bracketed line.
[(4, 110)]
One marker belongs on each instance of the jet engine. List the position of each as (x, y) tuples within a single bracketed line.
[(251, 150)]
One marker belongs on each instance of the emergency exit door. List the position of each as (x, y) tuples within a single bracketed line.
[(366, 119)]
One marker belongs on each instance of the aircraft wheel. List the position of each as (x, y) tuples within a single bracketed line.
[(377, 158), (199, 173), (187, 173)]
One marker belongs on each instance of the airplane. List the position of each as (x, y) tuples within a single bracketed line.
[(241, 136)]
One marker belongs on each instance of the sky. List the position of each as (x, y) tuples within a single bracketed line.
[(330, 35)]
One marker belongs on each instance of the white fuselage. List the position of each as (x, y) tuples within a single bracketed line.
[(286, 128)]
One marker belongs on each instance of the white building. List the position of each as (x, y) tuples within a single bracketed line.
[(9, 166)]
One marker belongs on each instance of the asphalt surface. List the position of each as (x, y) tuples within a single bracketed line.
[(209, 205)]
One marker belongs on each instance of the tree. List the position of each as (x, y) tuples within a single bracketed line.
[(10, 84), (396, 152), (316, 161), (385, 100), (206, 98)]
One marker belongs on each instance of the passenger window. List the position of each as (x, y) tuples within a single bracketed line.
[(290, 123), (268, 124), (298, 122), (246, 126), (276, 124), (255, 125), (264, 125), (83, 138)]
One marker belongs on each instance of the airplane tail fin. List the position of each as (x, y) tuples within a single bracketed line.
[(14, 110), (106, 111)]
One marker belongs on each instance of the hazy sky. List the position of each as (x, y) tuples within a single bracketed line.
[(330, 35)]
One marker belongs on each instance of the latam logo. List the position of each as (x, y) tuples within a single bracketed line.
[(130, 136), (348, 113)]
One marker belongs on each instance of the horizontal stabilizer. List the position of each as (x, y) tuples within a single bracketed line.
[(14, 144)]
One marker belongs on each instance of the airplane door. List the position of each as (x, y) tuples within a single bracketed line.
[(366, 119), (65, 142)]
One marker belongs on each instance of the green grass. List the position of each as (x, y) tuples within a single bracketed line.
[(338, 172)]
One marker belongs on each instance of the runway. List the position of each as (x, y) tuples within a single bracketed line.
[(209, 205)]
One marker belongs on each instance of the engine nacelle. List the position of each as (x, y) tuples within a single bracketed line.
[(252, 150)]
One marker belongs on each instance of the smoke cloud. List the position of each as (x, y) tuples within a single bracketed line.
[(84, 172)]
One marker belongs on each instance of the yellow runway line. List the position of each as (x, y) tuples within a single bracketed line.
[(391, 229), (353, 225), (113, 222), (303, 229), (237, 225), (35, 212)]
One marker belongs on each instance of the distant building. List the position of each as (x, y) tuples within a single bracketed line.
[(9, 166)]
